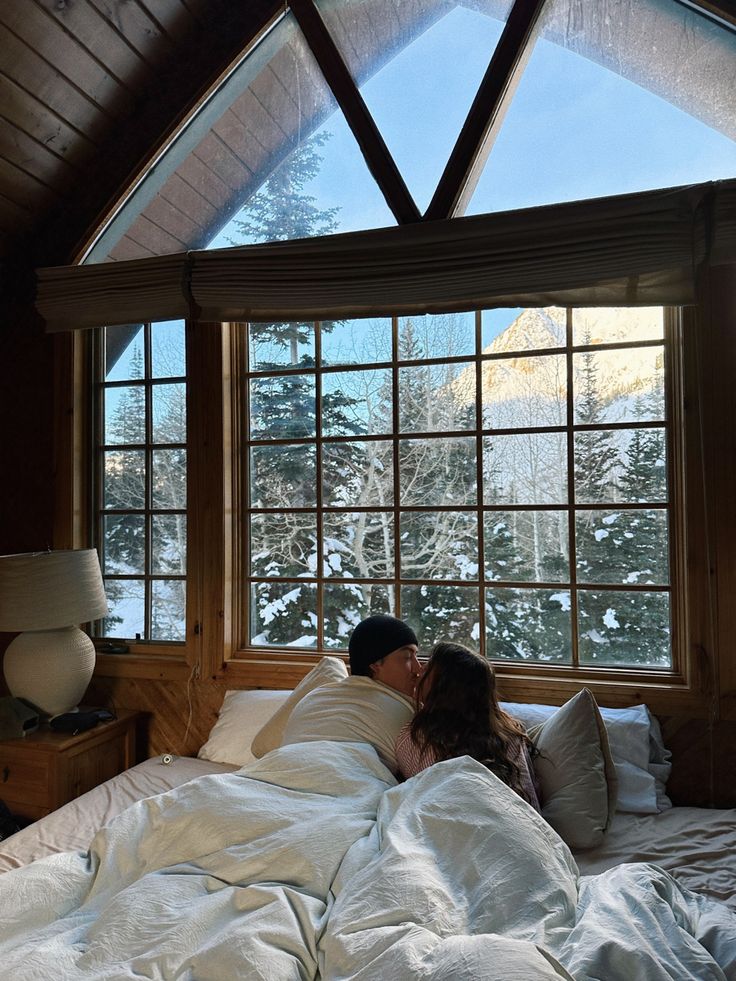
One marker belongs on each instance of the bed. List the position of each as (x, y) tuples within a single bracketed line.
[(311, 860)]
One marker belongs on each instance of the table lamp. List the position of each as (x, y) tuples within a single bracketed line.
[(46, 595)]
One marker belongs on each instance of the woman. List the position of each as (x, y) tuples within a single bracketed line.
[(458, 715)]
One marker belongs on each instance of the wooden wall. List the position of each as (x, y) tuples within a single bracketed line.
[(180, 714)]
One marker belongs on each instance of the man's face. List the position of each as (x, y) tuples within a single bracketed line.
[(399, 670)]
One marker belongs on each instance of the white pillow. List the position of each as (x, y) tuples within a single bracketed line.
[(326, 672), (241, 716), (357, 709), (641, 760), (575, 771)]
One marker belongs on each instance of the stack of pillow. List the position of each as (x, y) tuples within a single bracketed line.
[(589, 759)]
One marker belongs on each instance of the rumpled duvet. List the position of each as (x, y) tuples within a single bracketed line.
[(314, 863)]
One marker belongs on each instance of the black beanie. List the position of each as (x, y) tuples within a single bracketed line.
[(376, 637)]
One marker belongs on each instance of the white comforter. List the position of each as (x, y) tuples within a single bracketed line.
[(313, 862)]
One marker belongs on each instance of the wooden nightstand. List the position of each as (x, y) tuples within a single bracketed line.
[(44, 770)]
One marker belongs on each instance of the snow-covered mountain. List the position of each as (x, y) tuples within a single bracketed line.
[(534, 386)]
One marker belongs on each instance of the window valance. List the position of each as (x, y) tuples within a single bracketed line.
[(639, 249)]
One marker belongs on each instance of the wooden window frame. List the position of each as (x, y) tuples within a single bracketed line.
[(148, 447), (526, 680), (706, 686)]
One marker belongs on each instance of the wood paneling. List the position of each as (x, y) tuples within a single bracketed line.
[(100, 84), (26, 408), (703, 761), (181, 716)]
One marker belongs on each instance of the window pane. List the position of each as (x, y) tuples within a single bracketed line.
[(124, 352), (528, 546), (624, 628), (147, 479), (280, 345), (508, 330), (356, 341), (124, 544), (359, 545), (429, 497), (125, 415), (528, 624), (169, 479), (126, 608), (388, 48), (625, 385), (168, 609), (283, 614), (439, 545), (356, 402), (629, 546), (169, 403), (524, 392), (168, 349), (620, 465), (528, 468), (281, 101), (124, 479), (437, 398), (436, 335), (437, 471), (441, 613), (169, 543), (346, 604), (282, 407), (283, 475), (604, 97), (358, 473), (608, 325), (283, 544)]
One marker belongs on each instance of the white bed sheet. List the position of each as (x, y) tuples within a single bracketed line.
[(697, 845), (313, 861), (72, 827)]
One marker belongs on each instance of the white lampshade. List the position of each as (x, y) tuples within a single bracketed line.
[(46, 594)]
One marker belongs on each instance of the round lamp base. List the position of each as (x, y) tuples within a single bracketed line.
[(51, 669)]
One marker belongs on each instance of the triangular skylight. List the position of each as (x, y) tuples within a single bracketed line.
[(581, 100), (615, 99), (418, 67), (275, 121)]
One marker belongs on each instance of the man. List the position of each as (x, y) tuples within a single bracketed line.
[(375, 701), (385, 649)]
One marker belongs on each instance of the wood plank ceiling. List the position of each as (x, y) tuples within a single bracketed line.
[(91, 90), (87, 89)]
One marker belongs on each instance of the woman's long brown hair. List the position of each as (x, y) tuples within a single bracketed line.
[(458, 713)]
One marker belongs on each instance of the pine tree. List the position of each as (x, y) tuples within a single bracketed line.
[(124, 546), (283, 407), (632, 627), (125, 482), (596, 456), (283, 210)]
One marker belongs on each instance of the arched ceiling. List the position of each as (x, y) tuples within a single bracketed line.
[(92, 90)]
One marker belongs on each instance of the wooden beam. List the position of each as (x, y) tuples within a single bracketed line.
[(380, 162), (486, 104)]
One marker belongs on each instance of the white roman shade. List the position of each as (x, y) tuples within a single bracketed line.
[(639, 249)]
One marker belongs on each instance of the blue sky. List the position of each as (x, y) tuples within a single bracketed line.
[(573, 130)]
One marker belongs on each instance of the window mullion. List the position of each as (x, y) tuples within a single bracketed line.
[(571, 491)]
